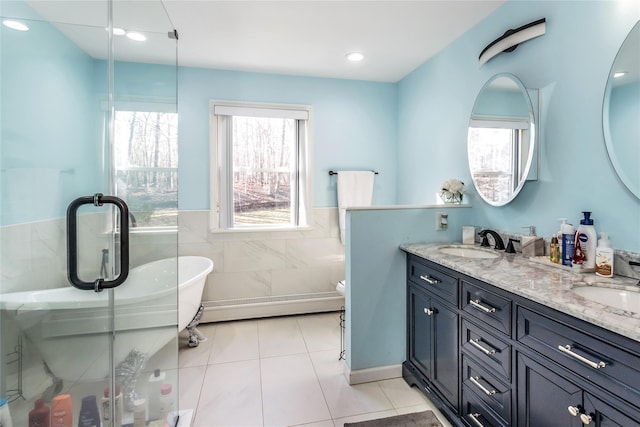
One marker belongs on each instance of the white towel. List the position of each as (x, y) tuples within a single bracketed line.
[(355, 189)]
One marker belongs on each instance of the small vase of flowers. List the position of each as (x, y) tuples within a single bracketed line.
[(452, 191)]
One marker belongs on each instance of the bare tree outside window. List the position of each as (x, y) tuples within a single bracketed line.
[(263, 167), (146, 162), (491, 157)]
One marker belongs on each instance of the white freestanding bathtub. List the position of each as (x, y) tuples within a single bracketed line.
[(71, 327)]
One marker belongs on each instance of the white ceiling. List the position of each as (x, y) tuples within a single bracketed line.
[(296, 37)]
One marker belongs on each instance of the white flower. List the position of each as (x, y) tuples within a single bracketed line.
[(453, 186)]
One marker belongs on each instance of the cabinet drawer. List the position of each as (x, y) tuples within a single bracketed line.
[(607, 365), (433, 279), (493, 392), (487, 306), (492, 352), (476, 414)]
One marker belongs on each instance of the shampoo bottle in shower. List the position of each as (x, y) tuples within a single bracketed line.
[(153, 393), (61, 411), (39, 415), (106, 408), (166, 401), (89, 414)]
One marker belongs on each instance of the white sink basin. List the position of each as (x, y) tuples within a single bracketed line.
[(618, 298), (468, 252)]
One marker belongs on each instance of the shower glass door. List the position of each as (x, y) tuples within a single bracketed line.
[(88, 105)]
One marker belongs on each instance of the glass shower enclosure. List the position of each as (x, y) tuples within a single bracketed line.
[(88, 154)]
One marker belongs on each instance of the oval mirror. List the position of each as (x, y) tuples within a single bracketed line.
[(501, 139), (621, 112)]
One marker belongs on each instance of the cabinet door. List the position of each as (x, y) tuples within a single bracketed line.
[(600, 414), (420, 330), (544, 397), (445, 374)]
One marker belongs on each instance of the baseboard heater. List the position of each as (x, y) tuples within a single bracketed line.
[(251, 308)]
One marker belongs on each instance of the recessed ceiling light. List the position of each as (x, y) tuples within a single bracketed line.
[(619, 74), (15, 25), (354, 56), (136, 36)]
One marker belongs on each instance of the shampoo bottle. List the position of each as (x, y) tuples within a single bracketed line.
[(39, 415), (568, 242), (153, 393), (106, 409), (89, 414), (61, 411), (166, 401), (587, 237), (5, 415), (604, 257)]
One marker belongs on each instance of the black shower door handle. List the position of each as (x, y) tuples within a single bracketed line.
[(99, 284)]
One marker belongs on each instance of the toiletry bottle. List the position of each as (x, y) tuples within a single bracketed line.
[(39, 415), (578, 255), (568, 242), (559, 237), (89, 414), (554, 250), (5, 415), (61, 411), (166, 401), (139, 413), (153, 393), (106, 408), (588, 239), (604, 257)]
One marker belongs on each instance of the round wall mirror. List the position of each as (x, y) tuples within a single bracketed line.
[(501, 139), (621, 112)]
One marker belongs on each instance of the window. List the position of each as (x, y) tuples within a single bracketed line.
[(259, 166), (146, 164)]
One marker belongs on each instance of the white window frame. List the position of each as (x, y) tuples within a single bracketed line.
[(221, 194)]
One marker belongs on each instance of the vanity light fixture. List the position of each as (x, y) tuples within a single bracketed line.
[(15, 25), (354, 57), (510, 40), (138, 37)]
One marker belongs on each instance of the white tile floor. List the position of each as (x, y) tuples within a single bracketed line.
[(282, 372)]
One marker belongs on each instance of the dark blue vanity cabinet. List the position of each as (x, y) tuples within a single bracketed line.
[(488, 357), (432, 345)]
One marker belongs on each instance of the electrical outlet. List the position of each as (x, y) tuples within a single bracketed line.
[(442, 221)]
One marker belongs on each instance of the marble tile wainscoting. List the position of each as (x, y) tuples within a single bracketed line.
[(266, 273)]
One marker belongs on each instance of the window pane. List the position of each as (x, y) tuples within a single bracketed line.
[(491, 160), (146, 159), (263, 165)]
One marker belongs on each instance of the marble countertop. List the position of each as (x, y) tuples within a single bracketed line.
[(545, 284)]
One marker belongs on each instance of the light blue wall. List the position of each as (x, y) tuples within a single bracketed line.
[(570, 64), (354, 127), (48, 123), (376, 294)]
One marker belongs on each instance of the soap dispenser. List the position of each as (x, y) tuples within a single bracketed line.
[(586, 237), (532, 245)]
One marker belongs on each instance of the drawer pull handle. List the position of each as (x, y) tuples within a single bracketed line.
[(586, 419), (574, 410), (476, 303), (474, 418), (476, 344), (567, 350), (486, 391), (430, 280), (428, 311)]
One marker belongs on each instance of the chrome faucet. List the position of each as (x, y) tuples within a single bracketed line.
[(499, 243)]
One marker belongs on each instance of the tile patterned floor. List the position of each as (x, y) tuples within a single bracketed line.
[(282, 372)]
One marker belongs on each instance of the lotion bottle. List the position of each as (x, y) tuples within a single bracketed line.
[(89, 414), (587, 237), (604, 257)]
